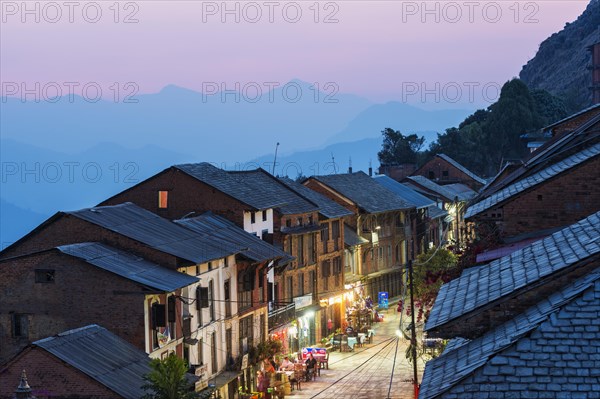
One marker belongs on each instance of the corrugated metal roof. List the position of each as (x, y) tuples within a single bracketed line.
[(222, 230), (129, 266), (161, 234), (461, 168), (364, 192), (533, 180), (256, 188), (103, 356), (447, 194), (522, 351), (403, 191), (328, 208), (351, 238), (479, 286)]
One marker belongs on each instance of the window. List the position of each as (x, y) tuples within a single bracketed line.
[(337, 266), (312, 254), (289, 287), (210, 266), (263, 322), (226, 289), (300, 284), (325, 234), (158, 315), (300, 251), (214, 365), (246, 332), (288, 245), (252, 218), (288, 223), (445, 174), (171, 314), (299, 222), (163, 197), (310, 220), (261, 289), (200, 352), (335, 234), (264, 216), (44, 276), (431, 174), (311, 281), (211, 299), (229, 343), (20, 325), (226, 261), (326, 269), (245, 288), (263, 234)]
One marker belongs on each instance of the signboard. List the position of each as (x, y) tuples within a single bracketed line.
[(303, 301), (317, 352), (383, 300), (245, 362)]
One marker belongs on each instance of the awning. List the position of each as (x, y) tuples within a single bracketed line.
[(224, 378), (352, 239), (382, 272), (312, 308)]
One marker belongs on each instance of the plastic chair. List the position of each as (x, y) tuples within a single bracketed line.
[(324, 362)]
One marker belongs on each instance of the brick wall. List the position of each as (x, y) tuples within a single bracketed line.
[(80, 295), (68, 229), (560, 201), (48, 376), (434, 170)]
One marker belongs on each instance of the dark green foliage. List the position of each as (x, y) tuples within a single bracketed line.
[(549, 107), (398, 148), (167, 380)]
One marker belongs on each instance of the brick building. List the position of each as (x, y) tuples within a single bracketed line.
[(443, 170), (453, 198), (378, 216), (556, 186), (261, 204), (88, 362), (525, 323), (429, 224), (196, 324)]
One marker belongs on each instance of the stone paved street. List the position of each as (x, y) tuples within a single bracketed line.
[(366, 372)]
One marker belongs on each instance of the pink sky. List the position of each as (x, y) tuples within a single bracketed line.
[(374, 50)]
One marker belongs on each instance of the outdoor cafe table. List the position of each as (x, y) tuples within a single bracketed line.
[(351, 342), (284, 377)]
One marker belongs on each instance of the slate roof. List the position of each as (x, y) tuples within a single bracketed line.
[(352, 239), (435, 212), (461, 168), (533, 180), (161, 234), (479, 286), (103, 356), (557, 148), (328, 208), (226, 233), (464, 193), (367, 194), (129, 266), (403, 191), (552, 347), (292, 203), (256, 188), (447, 194)]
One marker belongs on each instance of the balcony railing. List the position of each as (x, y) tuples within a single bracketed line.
[(281, 315)]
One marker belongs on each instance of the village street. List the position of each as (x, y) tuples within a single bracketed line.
[(366, 372)]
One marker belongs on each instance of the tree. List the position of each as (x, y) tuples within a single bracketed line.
[(167, 380), (398, 148), (431, 269)]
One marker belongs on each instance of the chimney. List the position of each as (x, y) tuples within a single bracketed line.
[(595, 67), (370, 169), (350, 165)]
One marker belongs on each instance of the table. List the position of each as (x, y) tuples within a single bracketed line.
[(351, 342), (361, 338), (284, 377)]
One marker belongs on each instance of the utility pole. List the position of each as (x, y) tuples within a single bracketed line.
[(413, 331)]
